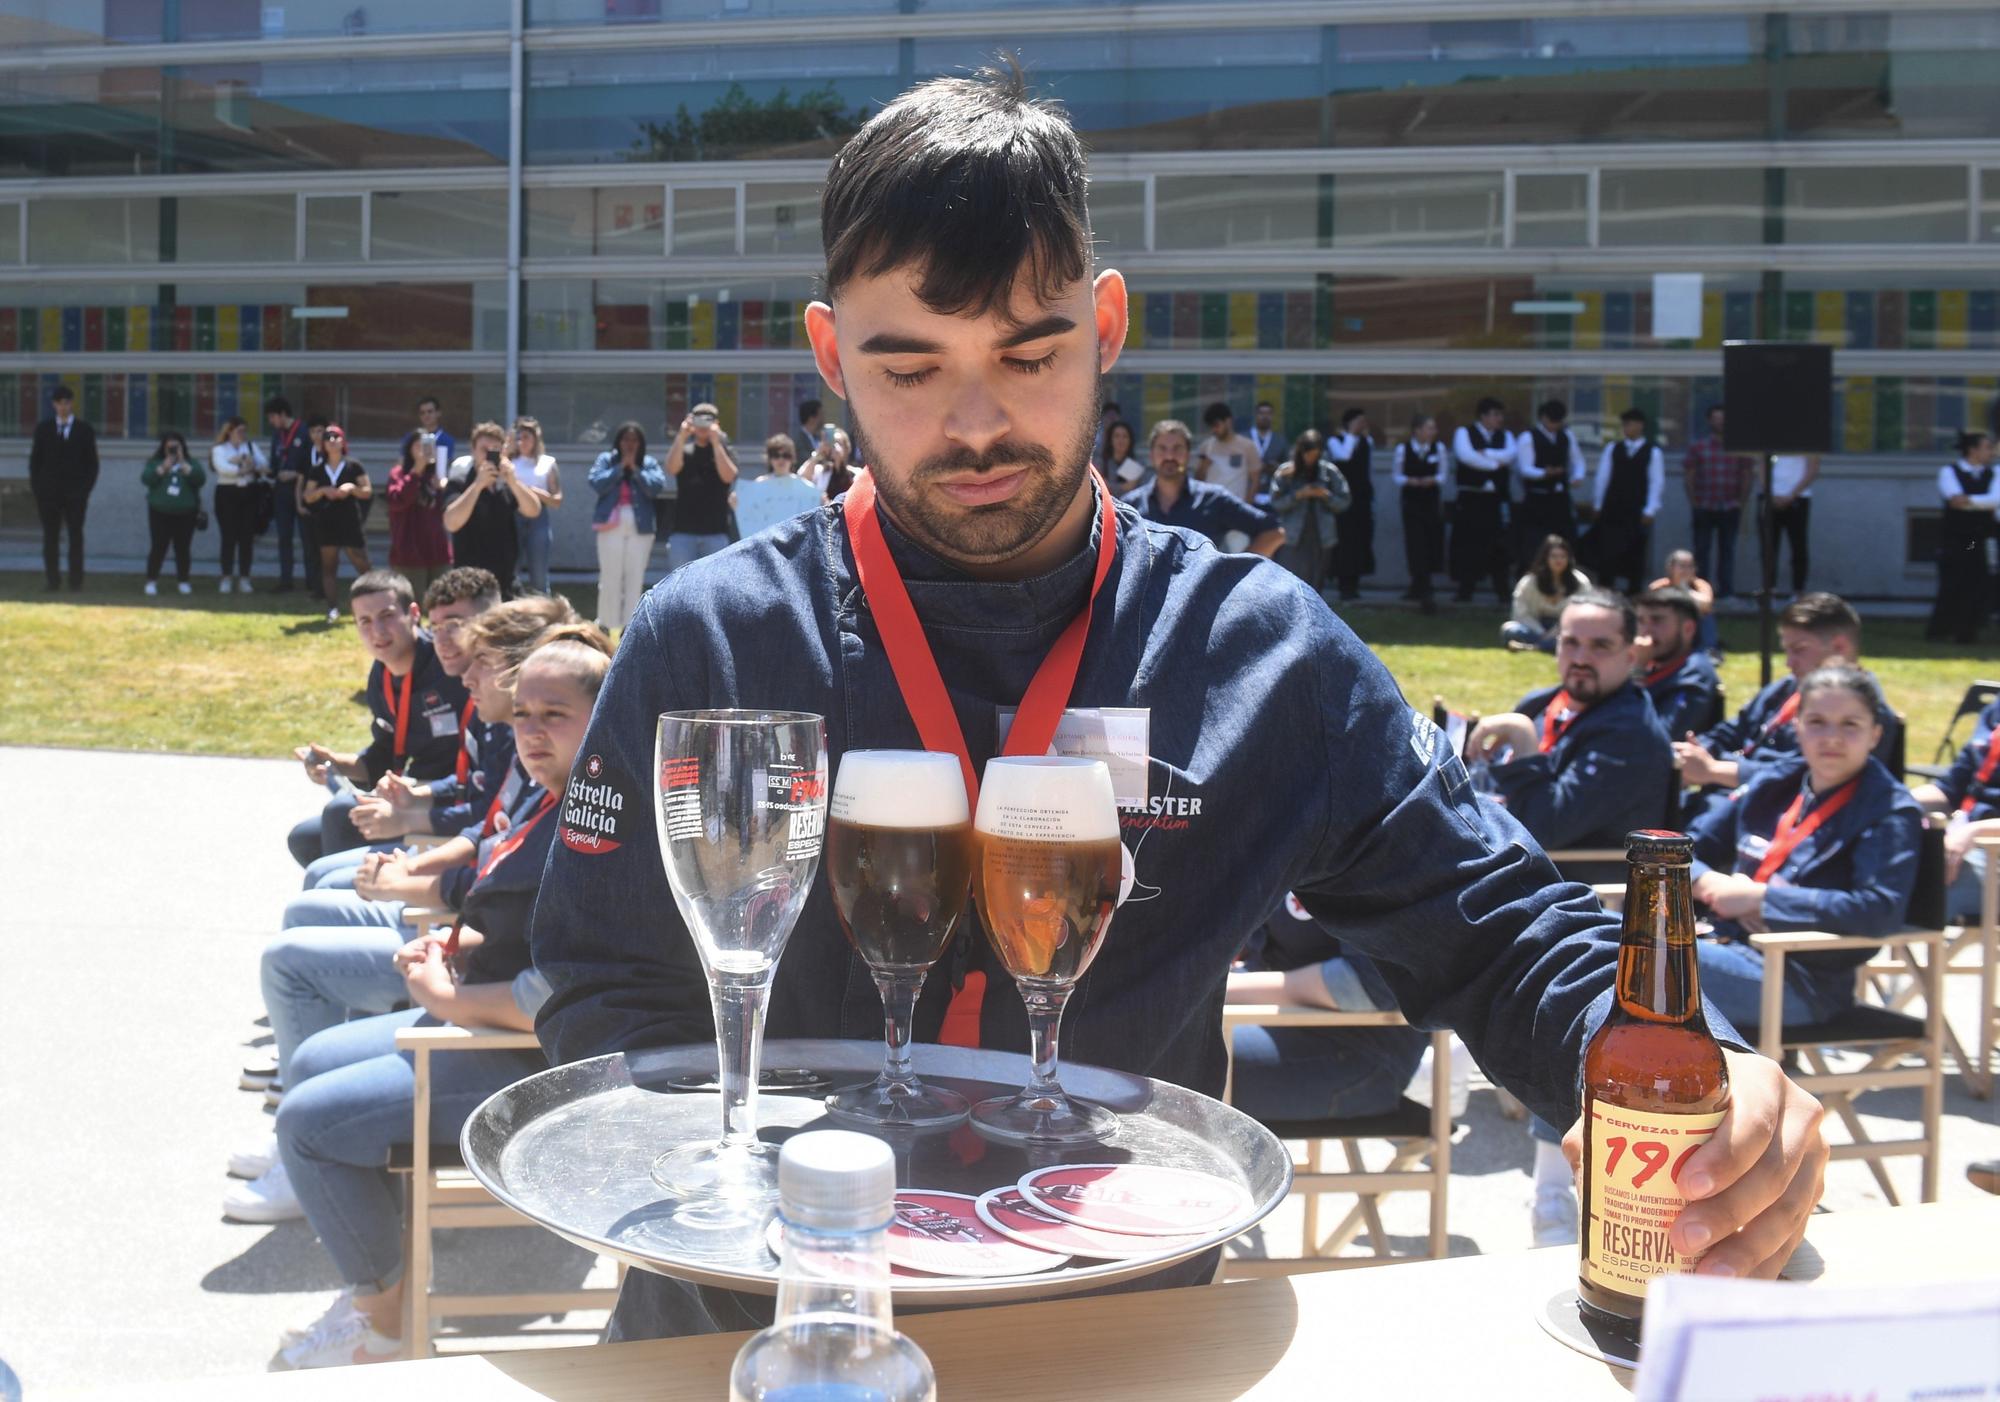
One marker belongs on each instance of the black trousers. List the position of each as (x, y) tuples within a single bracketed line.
[(1964, 592), (175, 528), (1479, 544), (1423, 539), (1789, 524), (62, 512), (1537, 516), (1620, 552), (236, 519)]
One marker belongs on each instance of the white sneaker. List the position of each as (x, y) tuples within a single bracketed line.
[(243, 585), (342, 1336), (268, 1199), (152, 587), (258, 1075), (185, 587), (1554, 1216), (255, 1158), (333, 615), (274, 1092), (227, 585), (341, 1308)]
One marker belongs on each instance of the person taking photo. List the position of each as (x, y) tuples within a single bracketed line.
[(173, 504)]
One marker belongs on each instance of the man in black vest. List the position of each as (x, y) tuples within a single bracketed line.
[(1354, 528), (1629, 478), (1483, 454), (1968, 491), (1551, 464), (62, 471)]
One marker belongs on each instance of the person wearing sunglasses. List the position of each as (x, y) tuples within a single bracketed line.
[(779, 494), (335, 487)]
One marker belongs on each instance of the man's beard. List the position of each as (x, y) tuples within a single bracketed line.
[(1586, 688), (984, 535)]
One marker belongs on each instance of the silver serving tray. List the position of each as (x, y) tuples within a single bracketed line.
[(573, 1148)]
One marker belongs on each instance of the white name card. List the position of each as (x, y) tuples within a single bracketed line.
[(1118, 735)]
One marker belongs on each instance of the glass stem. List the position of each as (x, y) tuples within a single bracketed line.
[(739, 1040), (1045, 1010), (899, 1012)]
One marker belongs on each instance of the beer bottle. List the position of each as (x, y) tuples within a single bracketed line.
[(1654, 1088)]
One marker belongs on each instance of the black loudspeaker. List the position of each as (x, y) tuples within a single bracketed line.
[(1778, 397)]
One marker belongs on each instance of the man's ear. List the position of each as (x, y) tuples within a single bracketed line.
[(1114, 311), (825, 346)]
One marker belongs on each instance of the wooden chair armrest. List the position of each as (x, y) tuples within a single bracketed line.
[(454, 1038), (1987, 841), (1808, 941), (1610, 894), (1292, 1015), (418, 915), (1587, 854)]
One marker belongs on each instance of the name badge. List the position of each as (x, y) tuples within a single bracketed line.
[(1750, 850), (1118, 735), (174, 487), (443, 723)]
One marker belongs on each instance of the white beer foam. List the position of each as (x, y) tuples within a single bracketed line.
[(900, 789), (1048, 799)]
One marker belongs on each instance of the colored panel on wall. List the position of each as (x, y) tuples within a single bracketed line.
[(182, 340), (112, 425), (1187, 319), (204, 328), (138, 406), (1923, 320), (1891, 313), (1184, 403), (1555, 330), (1829, 318), (1618, 319), (1157, 394), (1857, 429), (1299, 321), (1954, 313), (1135, 320), (677, 325), (93, 399), (701, 326), (204, 406), (1798, 313), (1214, 320), (225, 398), (10, 330), (1888, 415), (1714, 317), (1297, 412), (250, 403), (250, 328), (141, 327), (782, 326), (1242, 321), (1270, 321), (1860, 315), (275, 319), (728, 325), (1586, 328), (1920, 401), (228, 334), (72, 328), (114, 329), (49, 325), (93, 329), (750, 332), (726, 399), (1739, 316), (1159, 320)]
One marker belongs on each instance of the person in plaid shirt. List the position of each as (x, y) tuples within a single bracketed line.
[(1718, 485)]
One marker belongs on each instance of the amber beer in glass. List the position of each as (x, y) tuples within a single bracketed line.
[(1654, 1088)]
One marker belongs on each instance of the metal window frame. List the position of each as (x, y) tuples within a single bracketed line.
[(674, 186), (20, 230), (305, 198)]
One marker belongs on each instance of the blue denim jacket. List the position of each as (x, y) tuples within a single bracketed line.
[(1963, 780), (1744, 740), (649, 481), (1685, 700), (1607, 776), (455, 805)]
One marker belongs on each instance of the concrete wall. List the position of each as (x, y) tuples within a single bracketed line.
[(1861, 510)]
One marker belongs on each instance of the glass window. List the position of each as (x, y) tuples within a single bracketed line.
[(454, 224), (1931, 309), (63, 231), (235, 228), (333, 229), (10, 232), (1237, 211), (1432, 210), (666, 313), (1877, 204), (781, 219), (1989, 206), (571, 222), (1551, 211), (1891, 73), (585, 408), (704, 220), (1669, 207), (40, 24), (1118, 215)]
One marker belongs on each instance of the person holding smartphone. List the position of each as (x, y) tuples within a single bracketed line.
[(483, 498), (335, 487), (704, 472), (173, 498)]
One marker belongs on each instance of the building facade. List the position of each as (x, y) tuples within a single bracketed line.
[(592, 210)]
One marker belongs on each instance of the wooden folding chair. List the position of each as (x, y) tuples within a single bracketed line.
[(1971, 950), (1413, 1131), (1977, 698)]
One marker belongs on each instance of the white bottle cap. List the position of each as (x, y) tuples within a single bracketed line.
[(834, 1180)]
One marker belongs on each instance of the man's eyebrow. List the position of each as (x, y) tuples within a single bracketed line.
[(901, 343)]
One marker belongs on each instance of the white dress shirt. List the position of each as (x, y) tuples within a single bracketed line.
[(1463, 451), (1524, 456), (1656, 476), (1949, 486), (1442, 473)]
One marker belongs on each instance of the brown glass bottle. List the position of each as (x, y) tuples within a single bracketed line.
[(1654, 1087)]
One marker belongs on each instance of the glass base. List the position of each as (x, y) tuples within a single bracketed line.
[(724, 1185), (1043, 1117), (887, 1104)]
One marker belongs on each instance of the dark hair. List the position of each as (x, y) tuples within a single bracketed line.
[(1350, 416), (1668, 596), (618, 439), (1311, 438), (1970, 439), (1267, 404), (1215, 414), (1131, 441), (463, 582), (278, 404), (62, 394), (1823, 615), (807, 409), (317, 421), (383, 582), (1486, 406), (970, 180), (1111, 406), (1715, 408), (1844, 676), (1596, 598), (1545, 579), (432, 400), (1419, 419), (172, 435), (409, 449), (1553, 409), (1634, 415)]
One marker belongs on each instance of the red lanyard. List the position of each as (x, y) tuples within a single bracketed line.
[(1986, 768), (399, 713), (1660, 673), (1785, 716), (464, 765), (502, 850), (1791, 832), (1552, 733), (922, 685)]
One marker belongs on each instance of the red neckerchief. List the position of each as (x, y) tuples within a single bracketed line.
[(1791, 832), (400, 713), (923, 689), (1654, 676), (1553, 730), (464, 765), (1786, 714), (502, 850), (1986, 768)]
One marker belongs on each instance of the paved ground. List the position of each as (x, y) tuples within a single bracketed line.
[(128, 1000)]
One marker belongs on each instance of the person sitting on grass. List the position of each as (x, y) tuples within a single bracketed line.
[(414, 705), (1825, 839), (1681, 574), (1539, 595), (354, 1093), (1678, 676)]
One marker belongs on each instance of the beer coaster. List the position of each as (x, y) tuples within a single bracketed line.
[(1008, 1211), (1136, 1199), (774, 1237), (942, 1233)]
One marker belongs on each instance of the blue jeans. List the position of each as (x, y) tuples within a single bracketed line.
[(335, 871), (1720, 528), (1963, 896), (332, 831), (350, 1099), (332, 906), (1732, 978), (313, 978), (684, 547), (1309, 1073), (1540, 639), (536, 535)]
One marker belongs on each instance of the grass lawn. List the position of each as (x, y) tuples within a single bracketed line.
[(256, 675)]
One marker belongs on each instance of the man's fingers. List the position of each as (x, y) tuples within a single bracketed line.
[(1768, 1240)]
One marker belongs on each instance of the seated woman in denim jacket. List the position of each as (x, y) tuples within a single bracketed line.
[(1823, 840), (352, 1093)]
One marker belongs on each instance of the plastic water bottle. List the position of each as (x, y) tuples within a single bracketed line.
[(834, 1340)]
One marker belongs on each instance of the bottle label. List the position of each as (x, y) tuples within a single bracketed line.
[(1632, 1193)]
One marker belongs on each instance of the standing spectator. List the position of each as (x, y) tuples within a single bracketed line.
[(1264, 438), (1540, 594), (703, 472), (829, 467), (173, 499), (1682, 575), (419, 549), (1122, 469), (1718, 484), (290, 455), (1353, 453), (1308, 493), (430, 419), (1967, 490), (321, 589), (482, 498), (1630, 475), (62, 473), (1226, 458), (1482, 455), (1173, 498), (625, 481), (239, 469), (1421, 466), (1790, 505), (807, 437), (778, 495), (335, 487), (537, 470), (1551, 464), (1109, 413)]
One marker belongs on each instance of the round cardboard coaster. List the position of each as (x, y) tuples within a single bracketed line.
[(1135, 1199), (1563, 1319), (942, 1233), (1009, 1212)]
